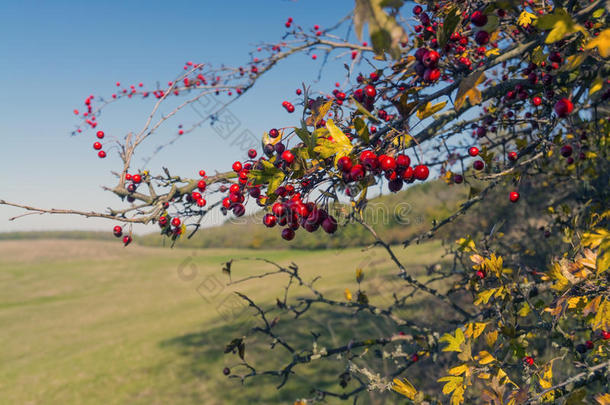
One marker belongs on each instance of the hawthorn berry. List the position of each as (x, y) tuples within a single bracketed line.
[(605, 335), (563, 107), (101, 154), (512, 156), (202, 173), (136, 178), (370, 91), (387, 163), (421, 172), (239, 210), (395, 185), (479, 19), (473, 151), (430, 59), (288, 156), (118, 231), (344, 164), (481, 37), (329, 224), (127, 240), (252, 153), (269, 220), (403, 161), (97, 146), (478, 165), (566, 150), (176, 221), (529, 360), (201, 202), (274, 133), (201, 185), (536, 101), (100, 134), (288, 106), (287, 234), (226, 371), (163, 221), (513, 196), (237, 167), (458, 178)]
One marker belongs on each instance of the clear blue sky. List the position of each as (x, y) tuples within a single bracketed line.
[(53, 54)]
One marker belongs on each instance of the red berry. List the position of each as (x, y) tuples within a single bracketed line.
[(403, 161), (237, 167), (605, 335), (421, 172), (126, 240), (387, 163), (329, 225), (201, 202), (269, 220), (478, 165), (274, 133), (118, 231), (536, 101), (417, 10), (239, 210), (288, 106), (162, 221), (252, 153), (566, 150), (479, 19), (100, 134), (512, 156), (395, 185), (202, 173), (288, 234), (370, 91), (513, 196), (288, 156), (589, 344), (226, 202), (481, 37), (97, 146), (473, 151), (528, 360), (136, 178), (430, 59), (344, 164), (564, 107), (101, 154), (432, 75), (176, 221)]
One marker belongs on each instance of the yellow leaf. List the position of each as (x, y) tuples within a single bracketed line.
[(474, 330), (594, 238), (468, 90), (526, 18), (484, 296), (601, 42), (454, 343), (269, 140), (560, 23), (524, 310), (491, 337), (459, 370), (427, 110), (456, 386), (348, 294), (484, 376), (359, 275), (485, 357), (405, 388), (339, 146), (492, 51), (603, 399), (561, 282), (601, 321)]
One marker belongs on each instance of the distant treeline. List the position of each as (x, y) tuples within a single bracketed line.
[(91, 235)]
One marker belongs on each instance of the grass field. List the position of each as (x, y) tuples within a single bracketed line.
[(90, 322)]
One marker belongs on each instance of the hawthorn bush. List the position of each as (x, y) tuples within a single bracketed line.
[(508, 100)]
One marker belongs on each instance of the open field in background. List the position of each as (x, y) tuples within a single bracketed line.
[(90, 322)]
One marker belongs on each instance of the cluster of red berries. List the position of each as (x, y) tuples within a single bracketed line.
[(118, 232), (98, 146), (396, 170), (292, 213), (427, 62), (170, 226)]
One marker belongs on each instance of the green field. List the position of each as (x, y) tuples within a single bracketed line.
[(91, 322)]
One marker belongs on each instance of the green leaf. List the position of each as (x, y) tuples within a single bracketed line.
[(361, 129), (269, 175), (450, 23), (560, 23), (386, 34), (364, 111), (598, 13)]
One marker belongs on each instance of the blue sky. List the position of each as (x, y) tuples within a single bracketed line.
[(54, 54)]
